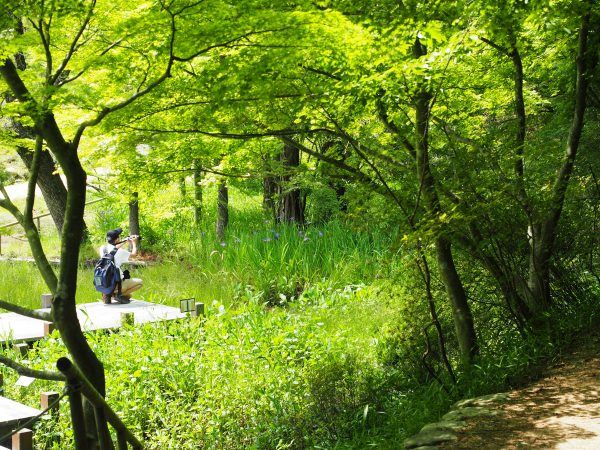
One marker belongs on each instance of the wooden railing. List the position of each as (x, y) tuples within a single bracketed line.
[(36, 218), (78, 385)]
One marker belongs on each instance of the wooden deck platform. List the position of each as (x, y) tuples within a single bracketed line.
[(92, 316), (12, 415)]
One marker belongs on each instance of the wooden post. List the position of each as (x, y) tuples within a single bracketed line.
[(74, 385), (22, 440), (1, 384), (23, 348), (127, 318), (121, 440), (48, 398), (198, 311), (46, 300), (101, 426), (48, 328)]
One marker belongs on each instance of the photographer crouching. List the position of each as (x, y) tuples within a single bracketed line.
[(128, 284)]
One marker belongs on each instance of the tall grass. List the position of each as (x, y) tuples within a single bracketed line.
[(284, 253), (275, 261)]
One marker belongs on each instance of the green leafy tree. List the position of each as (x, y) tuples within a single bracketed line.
[(86, 62)]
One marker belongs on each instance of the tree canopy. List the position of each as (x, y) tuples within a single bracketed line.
[(468, 127)]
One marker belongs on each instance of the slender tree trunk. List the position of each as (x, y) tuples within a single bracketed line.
[(222, 210), (197, 192), (423, 267), (545, 231), (269, 190), (134, 216), (508, 280), (461, 311), (291, 207), (182, 187)]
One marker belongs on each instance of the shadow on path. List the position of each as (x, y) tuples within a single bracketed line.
[(560, 411)]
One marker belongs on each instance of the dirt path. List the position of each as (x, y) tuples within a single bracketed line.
[(19, 190), (560, 411)]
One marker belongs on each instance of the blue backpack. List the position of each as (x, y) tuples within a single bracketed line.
[(106, 274)]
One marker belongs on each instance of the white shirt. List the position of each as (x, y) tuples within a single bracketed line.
[(121, 257)]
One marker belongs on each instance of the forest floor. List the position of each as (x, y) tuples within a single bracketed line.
[(561, 410)]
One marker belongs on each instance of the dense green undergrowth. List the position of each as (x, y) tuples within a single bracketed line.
[(252, 376), (314, 338)]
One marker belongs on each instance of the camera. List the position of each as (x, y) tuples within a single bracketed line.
[(128, 238)]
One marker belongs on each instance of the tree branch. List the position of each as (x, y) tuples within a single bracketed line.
[(391, 126), (201, 168), (82, 71), (140, 93), (224, 44), (321, 72), (26, 371), (358, 175), (32, 313), (40, 28), (501, 49), (53, 79), (358, 151), (209, 102), (222, 135), (8, 205), (449, 131), (34, 170)]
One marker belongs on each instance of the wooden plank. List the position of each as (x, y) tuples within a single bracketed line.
[(12, 413), (92, 316)]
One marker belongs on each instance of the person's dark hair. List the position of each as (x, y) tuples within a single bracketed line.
[(113, 235)]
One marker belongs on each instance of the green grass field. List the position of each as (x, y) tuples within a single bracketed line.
[(313, 336)]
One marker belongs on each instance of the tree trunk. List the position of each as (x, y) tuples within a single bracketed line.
[(269, 190), (48, 180), (545, 231), (50, 184), (182, 187), (134, 215), (461, 311), (64, 310), (291, 207), (197, 192), (222, 210)]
